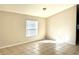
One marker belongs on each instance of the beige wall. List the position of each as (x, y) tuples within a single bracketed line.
[(12, 28), (61, 27)]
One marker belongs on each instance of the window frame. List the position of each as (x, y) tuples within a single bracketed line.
[(36, 29)]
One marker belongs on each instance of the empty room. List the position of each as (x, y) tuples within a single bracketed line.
[(39, 29)]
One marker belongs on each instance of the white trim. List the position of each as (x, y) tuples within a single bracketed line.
[(15, 44), (12, 45)]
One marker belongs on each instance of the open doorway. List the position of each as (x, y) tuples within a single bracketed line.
[(77, 26)]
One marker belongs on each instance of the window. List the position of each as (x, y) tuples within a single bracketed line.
[(31, 28)]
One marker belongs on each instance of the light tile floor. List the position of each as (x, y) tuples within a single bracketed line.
[(45, 47)]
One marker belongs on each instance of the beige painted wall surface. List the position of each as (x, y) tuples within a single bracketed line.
[(12, 28), (61, 27)]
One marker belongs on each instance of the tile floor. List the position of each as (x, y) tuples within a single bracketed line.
[(45, 47)]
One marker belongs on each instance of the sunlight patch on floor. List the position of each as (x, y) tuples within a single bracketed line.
[(48, 41)]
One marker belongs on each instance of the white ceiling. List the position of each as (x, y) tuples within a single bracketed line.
[(35, 9)]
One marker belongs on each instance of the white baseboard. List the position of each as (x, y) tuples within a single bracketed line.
[(15, 44), (12, 45)]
